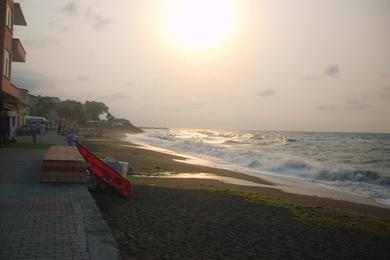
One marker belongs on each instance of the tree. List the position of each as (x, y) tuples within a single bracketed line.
[(94, 109), (44, 106), (72, 111), (109, 116)]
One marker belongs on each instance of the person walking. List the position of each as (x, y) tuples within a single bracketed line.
[(34, 131), (59, 129), (42, 131)]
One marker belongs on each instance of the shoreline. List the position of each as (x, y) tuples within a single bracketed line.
[(288, 184), (153, 163)]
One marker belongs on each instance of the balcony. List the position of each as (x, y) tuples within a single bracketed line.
[(9, 89), (18, 16), (18, 52)]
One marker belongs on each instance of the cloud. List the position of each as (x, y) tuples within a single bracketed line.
[(386, 92), (356, 105), (266, 93), (326, 108), (163, 107), (96, 19), (82, 78), (71, 8), (197, 103), (119, 96), (332, 71), (99, 21), (310, 78), (56, 24), (41, 41), (136, 83), (34, 81)]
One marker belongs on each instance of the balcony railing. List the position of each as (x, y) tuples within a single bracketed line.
[(18, 52), (10, 89), (19, 17)]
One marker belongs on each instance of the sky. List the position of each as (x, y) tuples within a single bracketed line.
[(303, 65)]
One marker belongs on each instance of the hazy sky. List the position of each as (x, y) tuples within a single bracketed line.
[(244, 64)]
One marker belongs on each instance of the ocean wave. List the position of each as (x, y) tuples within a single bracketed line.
[(365, 176), (384, 150), (296, 164), (272, 139), (324, 158), (231, 142), (291, 167), (382, 160), (255, 164), (207, 132)]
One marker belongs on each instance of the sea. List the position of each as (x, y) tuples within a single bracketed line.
[(357, 163)]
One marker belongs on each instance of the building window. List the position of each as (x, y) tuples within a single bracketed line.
[(7, 64), (8, 18)]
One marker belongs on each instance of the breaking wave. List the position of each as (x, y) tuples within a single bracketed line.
[(369, 177), (358, 163)]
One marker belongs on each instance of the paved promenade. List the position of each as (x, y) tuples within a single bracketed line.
[(47, 220)]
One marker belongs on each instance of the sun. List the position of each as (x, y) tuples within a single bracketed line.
[(199, 24)]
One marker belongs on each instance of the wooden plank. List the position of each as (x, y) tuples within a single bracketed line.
[(63, 153), (63, 164), (65, 168)]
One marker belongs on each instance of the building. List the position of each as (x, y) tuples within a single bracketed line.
[(11, 50), (27, 103)]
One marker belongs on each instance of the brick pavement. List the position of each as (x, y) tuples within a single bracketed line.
[(46, 220)]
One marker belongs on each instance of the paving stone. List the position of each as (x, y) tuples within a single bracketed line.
[(45, 220)]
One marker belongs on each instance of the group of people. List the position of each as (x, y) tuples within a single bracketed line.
[(40, 129), (69, 131)]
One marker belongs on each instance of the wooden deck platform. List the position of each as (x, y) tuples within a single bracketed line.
[(63, 164)]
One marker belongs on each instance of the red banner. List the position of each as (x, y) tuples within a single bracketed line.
[(105, 172)]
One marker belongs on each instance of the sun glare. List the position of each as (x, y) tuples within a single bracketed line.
[(199, 24)]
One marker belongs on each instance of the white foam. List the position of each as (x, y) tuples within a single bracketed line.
[(261, 155)]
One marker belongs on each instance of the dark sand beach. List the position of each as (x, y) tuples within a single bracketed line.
[(200, 218), (176, 223)]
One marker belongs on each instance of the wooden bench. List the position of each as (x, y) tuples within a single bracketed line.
[(63, 164)]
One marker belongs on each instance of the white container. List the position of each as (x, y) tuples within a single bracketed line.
[(118, 166), (123, 167)]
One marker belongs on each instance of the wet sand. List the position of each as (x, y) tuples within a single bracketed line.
[(182, 218)]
